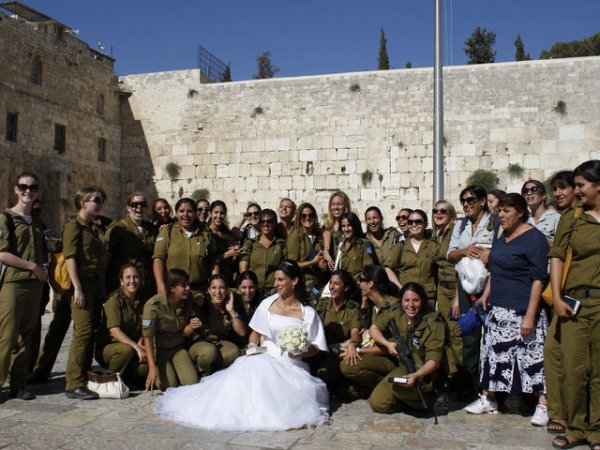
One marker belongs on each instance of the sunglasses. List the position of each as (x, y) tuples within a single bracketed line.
[(533, 190), (138, 205), (401, 217), (439, 211), (307, 216), (23, 187), (469, 200), (203, 210), (266, 221), (253, 214), (96, 200), (417, 222)]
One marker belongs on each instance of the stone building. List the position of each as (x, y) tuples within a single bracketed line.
[(60, 106)]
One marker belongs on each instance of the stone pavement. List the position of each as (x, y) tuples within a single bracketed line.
[(53, 421)]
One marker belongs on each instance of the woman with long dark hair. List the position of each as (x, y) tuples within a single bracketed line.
[(226, 246), (383, 239), (356, 250)]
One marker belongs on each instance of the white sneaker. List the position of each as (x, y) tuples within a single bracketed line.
[(482, 405), (540, 416)]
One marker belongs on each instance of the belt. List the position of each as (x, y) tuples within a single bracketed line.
[(585, 293)]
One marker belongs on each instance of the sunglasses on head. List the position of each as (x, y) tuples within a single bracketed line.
[(23, 187), (401, 217), (362, 279), (533, 190), (417, 222), (469, 200), (138, 205), (439, 211)]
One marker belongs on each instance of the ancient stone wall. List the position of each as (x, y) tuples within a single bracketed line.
[(369, 134), (74, 79)]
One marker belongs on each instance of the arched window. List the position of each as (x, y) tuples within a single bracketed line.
[(100, 104), (36, 70)]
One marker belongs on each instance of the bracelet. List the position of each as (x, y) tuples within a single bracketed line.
[(235, 315)]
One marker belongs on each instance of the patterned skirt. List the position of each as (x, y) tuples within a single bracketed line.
[(511, 363)]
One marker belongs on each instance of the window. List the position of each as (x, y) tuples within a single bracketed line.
[(12, 126), (101, 149), (36, 70), (60, 138), (100, 104)]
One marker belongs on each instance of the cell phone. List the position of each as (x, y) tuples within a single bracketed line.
[(399, 380), (573, 303)]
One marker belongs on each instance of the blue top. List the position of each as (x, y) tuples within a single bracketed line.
[(514, 266)]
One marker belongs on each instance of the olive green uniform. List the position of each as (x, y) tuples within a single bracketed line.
[(302, 247), (385, 251), (120, 312), (216, 344), (426, 343), (83, 243), (264, 261), (338, 326), (370, 369), (20, 297), (128, 244), (580, 336), (418, 267), (165, 325), (193, 254), (359, 255), (221, 243), (446, 289)]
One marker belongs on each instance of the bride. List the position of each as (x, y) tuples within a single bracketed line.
[(268, 391)]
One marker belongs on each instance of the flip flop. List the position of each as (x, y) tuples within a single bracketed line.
[(562, 441), (555, 427)]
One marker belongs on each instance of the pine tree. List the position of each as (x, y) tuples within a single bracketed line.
[(266, 69), (520, 50), (383, 62), (226, 74), (479, 46)]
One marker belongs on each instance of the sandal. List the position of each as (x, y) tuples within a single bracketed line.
[(562, 441), (555, 426)]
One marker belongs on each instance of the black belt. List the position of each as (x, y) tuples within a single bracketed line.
[(585, 293)]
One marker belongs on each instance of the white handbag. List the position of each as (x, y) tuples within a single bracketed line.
[(108, 385)]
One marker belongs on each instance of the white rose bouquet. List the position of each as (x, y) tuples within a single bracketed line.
[(293, 339)]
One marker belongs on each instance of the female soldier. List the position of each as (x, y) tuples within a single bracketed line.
[(580, 332), (184, 245), (305, 246), (84, 252), (161, 213), (202, 211), (365, 364), (340, 315), (120, 344), (339, 204), (165, 325), (425, 335), (226, 247), (384, 240), (217, 341), (248, 290), (287, 212), (444, 218), (131, 240), (357, 251), (415, 259), (23, 252), (250, 218), (263, 254)]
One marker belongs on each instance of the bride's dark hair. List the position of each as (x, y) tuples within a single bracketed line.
[(292, 270)]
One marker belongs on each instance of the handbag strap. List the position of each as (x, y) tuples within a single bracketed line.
[(338, 257)]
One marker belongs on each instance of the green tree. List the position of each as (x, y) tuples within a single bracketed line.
[(266, 69), (383, 62), (588, 46), (408, 65), (520, 50), (226, 74), (479, 46)]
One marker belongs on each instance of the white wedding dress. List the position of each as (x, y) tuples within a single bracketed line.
[(268, 391)]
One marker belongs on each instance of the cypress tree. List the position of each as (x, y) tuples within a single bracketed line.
[(383, 62)]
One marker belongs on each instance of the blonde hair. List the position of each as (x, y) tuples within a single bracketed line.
[(84, 194), (330, 221), (450, 207)]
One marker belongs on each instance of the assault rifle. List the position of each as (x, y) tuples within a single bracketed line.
[(407, 361)]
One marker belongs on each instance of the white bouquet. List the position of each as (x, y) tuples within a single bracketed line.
[(293, 339)]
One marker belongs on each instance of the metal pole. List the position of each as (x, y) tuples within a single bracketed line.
[(438, 109)]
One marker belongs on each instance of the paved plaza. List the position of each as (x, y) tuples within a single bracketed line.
[(53, 421)]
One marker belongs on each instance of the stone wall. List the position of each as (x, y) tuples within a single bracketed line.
[(73, 78), (369, 133)]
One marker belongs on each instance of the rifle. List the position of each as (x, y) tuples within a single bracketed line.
[(407, 361)]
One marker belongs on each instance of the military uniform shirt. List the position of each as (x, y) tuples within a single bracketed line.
[(391, 238), (357, 256), (163, 323), (120, 313), (264, 261), (85, 244), (338, 324)]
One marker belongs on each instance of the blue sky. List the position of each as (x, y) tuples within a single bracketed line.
[(312, 37)]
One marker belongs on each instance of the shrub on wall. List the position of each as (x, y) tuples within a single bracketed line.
[(173, 170), (485, 178), (201, 193)]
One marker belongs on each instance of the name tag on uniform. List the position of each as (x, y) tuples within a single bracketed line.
[(146, 322), (415, 341), (160, 238)]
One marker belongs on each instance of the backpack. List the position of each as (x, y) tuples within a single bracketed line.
[(59, 278), (10, 224)]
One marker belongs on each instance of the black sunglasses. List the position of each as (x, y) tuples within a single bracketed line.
[(23, 187), (266, 221), (418, 222), (403, 217), (201, 210), (138, 204), (469, 200), (440, 211), (533, 190)]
